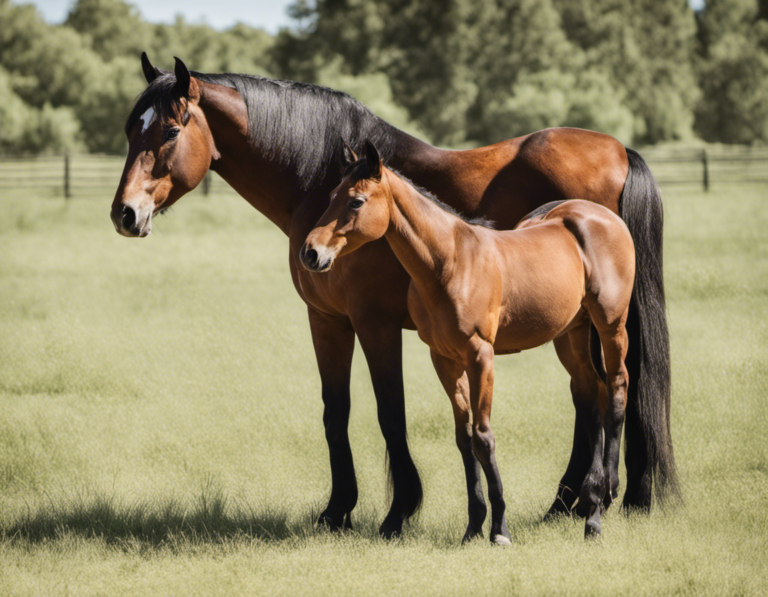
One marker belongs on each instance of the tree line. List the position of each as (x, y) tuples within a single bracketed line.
[(455, 72)]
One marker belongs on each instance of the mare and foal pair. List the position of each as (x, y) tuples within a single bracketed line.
[(565, 272), (476, 292)]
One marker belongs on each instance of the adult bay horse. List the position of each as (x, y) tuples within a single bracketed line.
[(277, 143), (476, 292)]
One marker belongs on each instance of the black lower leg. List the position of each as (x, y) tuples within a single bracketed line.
[(578, 465), (476, 508), (483, 444)]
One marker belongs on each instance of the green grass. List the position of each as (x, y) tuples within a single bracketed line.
[(161, 428)]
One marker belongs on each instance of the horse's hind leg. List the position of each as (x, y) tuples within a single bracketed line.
[(587, 391), (582, 452), (454, 380)]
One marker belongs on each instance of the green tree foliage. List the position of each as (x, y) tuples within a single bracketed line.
[(733, 72), (72, 86), (647, 48), (112, 28), (53, 62), (25, 128), (456, 72), (480, 70)]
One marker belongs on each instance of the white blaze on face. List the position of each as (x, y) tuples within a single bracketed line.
[(147, 118)]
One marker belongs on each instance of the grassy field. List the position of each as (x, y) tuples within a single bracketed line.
[(161, 426)]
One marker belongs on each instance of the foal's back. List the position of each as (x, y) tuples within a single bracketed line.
[(554, 264)]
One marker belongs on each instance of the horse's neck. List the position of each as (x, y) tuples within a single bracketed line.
[(245, 169), (272, 190), (421, 234)]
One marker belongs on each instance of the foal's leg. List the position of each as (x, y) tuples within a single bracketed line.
[(381, 341), (479, 367), (334, 342), (454, 380), (581, 453)]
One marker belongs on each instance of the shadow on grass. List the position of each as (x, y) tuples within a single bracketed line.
[(212, 519)]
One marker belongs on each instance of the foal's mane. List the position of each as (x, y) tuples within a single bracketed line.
[(298, 125), (360, 170)]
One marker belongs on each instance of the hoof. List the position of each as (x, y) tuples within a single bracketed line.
[(500, 540), (592, 529), (391, 530), (553, 514), (333, 523), (471, 534)]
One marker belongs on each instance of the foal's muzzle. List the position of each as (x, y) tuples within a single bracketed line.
[(314, 261)]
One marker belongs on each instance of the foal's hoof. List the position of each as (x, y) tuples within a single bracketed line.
[(500, 540), (391, 529), (334, 523), (592, 529)]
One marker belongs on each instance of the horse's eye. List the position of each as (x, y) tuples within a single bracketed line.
[(356, 203), (171, 134)]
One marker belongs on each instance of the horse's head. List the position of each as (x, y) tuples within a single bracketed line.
[(359, 212), (170, 148)]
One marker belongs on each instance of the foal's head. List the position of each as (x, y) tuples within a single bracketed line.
[(359, 211), (170, 148)]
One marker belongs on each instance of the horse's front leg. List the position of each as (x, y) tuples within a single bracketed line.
[(456, 385), (479, 366), (334, 342), (381, 340)]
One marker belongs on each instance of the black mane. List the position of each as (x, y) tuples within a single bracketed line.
[(298, 125), (360, 170)]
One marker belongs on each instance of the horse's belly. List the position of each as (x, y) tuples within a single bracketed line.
[(526, 326)]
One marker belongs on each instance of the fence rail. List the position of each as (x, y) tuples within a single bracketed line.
[(84, 175)]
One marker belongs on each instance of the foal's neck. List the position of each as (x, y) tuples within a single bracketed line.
[(422, 234)]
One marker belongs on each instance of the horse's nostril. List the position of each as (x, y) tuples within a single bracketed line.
[(129, 217), (311, 256)]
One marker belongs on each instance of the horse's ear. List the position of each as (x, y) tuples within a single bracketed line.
[(350, 157), (150, 72), (373, 159), (182, 79)]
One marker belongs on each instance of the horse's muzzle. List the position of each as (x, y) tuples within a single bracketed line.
[(314, 261), (129, 223)]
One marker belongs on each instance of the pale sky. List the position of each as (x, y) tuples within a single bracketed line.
[(269, 14)]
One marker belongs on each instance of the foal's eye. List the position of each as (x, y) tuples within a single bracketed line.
[(356, 203), (171, 134)]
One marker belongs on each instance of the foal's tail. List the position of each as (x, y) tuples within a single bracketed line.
[(649, 456)]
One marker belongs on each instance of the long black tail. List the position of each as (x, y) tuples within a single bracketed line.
[(649, 456)]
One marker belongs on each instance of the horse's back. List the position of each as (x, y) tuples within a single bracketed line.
[(506, 180)]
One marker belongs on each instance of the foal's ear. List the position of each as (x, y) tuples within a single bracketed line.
[(150, 72), (182, 79), (350, 157), (373, 160)]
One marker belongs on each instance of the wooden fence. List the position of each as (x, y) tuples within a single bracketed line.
[(84, 175)]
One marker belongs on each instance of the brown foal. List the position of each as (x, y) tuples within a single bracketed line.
[(476, 292)]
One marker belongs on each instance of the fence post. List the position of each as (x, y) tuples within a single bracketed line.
[(207, 184), (705, 165), (67, 193)]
